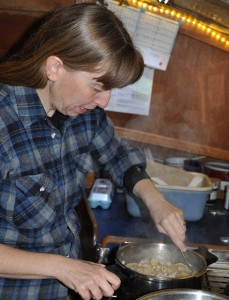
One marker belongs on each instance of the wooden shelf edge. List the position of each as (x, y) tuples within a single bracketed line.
[(205, 38), (170, 143)]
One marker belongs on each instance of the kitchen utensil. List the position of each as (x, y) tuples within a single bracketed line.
[(181, 294), (186, 261)]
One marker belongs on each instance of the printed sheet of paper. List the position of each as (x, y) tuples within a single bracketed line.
[(153, 35), (135, 98)]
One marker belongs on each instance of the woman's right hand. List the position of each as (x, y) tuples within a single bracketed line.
[(90, 280)]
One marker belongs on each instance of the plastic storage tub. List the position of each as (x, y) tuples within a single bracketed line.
[(186, 190)]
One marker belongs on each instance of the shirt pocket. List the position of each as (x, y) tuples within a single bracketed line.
[(34, 204)]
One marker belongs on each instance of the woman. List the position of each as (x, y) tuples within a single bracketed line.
[(53, 129)]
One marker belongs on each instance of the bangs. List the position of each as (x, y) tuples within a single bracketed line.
[(122, 68)]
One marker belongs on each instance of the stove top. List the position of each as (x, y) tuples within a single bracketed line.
[(217, 277)]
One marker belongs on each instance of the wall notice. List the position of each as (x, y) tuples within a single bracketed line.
[(153, 35), (135, 98)]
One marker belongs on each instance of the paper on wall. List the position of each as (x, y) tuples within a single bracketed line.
[(135, 98)]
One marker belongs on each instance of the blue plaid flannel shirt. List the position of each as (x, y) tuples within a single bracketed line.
[(42, 177)]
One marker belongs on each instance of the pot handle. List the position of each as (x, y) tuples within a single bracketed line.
[(208, 256), (118, 271), (106, 256)]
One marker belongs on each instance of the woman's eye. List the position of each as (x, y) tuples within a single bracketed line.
[(97, 89)]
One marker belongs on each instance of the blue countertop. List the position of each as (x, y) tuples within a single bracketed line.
[(116, 221)]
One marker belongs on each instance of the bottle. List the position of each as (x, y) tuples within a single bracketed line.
[(215, 188)]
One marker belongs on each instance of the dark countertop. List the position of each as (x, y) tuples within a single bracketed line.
[(116, 221)]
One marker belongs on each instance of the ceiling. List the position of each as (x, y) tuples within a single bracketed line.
[(214, 12)]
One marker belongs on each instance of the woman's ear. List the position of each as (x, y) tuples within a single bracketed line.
[(52, 67)]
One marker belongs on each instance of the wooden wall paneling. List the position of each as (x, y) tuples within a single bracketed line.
[(189, 107), (13, 26), (17, 17), (205, 37), (34, 5)]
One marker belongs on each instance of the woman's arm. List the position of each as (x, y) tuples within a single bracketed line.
[(88, 279), (167, 218)]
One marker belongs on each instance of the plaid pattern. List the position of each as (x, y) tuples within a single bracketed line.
[(42, 176)]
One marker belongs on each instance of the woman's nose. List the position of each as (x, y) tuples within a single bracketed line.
[(103, 98)]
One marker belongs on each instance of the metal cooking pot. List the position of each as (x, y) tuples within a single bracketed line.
[(180, 294), (143, 284), (217, 170)]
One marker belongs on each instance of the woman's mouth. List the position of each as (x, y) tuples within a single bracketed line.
[(82, 110)]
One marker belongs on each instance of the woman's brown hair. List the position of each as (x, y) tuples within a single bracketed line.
[(84, 36)]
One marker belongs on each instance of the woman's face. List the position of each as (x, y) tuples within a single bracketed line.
[(72, 93)]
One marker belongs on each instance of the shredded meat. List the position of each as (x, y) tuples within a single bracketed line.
[(154, 267)]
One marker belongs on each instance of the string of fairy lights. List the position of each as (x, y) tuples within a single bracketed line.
[(184, 18)]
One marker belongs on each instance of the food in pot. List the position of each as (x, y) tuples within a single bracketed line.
[(156, 268)]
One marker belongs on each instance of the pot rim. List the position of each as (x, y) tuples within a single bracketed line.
[(179, 291), (133, 273), (217, 166)]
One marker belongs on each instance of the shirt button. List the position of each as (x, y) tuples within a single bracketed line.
[(42, 189), (53, 135)]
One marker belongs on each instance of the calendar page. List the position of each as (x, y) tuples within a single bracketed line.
[(153, 35)]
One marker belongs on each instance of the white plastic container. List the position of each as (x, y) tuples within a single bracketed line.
[(190, 195), (101, 193)]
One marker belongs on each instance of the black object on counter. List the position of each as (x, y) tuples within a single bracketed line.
[(226, 290), (192, 165)]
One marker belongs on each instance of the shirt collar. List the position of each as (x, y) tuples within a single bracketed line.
[(30, 108)]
